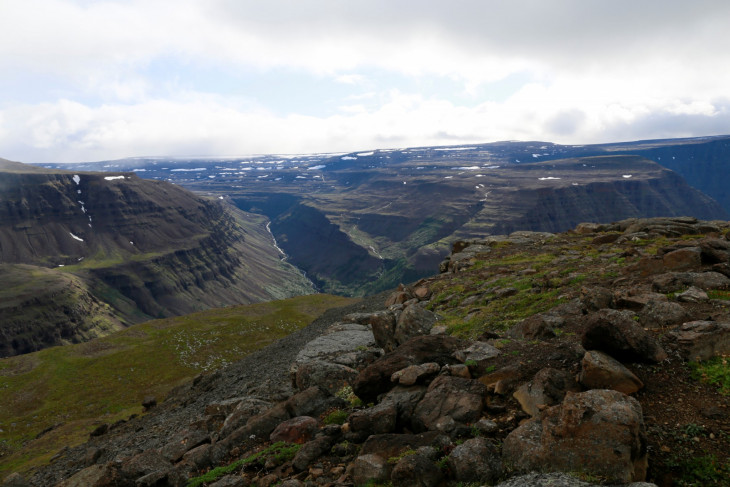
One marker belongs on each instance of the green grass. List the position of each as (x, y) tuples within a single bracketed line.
[(715, 371), (104, 380)]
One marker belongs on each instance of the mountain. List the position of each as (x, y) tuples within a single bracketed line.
[(82, 254), (361, 222)]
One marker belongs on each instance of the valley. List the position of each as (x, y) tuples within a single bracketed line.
[(361, 222), (83, 254)]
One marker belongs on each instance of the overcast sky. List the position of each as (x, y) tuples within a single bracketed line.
[(84, 80)]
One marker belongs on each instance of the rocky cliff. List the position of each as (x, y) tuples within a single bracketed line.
[(534, 358), (129, 248)]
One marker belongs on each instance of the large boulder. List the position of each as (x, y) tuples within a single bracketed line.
[(677, 281), (449, 402), (374, 379), (599, 432), (617, 334), (600, 371), (417, 470), (683, 259), (659, 314), (329, 376), (701, 340), (547, 388), (475, 460), (414, 321), (556, 479), (383, 326)]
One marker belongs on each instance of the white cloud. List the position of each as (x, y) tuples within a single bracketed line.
[(89, 80)]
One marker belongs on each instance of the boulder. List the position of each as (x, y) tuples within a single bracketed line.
[(617, 334), (298, 430), (449, 401), (244, 410), (341, 340), (715, 251), (701, 340), (692, 295), (658, 314), (374, 379), (676, 281), (372, 464), (147, 462), (478, 352), (476, 460), (636, 298), (683, 259), (405, 400), (417, 470), (414, 321), (369, 469), (311, 451), (547, 388), (536, 327), (313, 402), (600, 371), (599, 432), (100, 475), (416, 374), (595, 298), (376, 420), (382, 324), (328, 376), (184, 440)]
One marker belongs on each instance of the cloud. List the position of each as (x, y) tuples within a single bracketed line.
[(89, 80)]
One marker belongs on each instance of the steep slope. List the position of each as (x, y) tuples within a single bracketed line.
[(145, 248)]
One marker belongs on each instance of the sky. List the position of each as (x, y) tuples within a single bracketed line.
[(84, 80)]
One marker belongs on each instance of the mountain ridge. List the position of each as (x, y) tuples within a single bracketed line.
[(141, 248)]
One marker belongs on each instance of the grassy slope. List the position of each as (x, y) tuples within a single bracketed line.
[(75, 387)]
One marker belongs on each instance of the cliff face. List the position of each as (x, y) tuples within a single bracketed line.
[(134, 248)]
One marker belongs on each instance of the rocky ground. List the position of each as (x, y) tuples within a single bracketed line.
[(532, 359)]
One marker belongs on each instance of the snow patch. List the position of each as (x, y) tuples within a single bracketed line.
[(75, 237), (197, 169), (321, 166), (627, 176), (547, 178), (466, 168), (76, 179), (112, 178), (348, 158), (365, 154)]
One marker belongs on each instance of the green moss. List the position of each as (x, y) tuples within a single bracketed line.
[(338, 416), (279, 451), (715, 371)]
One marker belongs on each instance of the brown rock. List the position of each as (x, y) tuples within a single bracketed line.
[(414, 321), (683, 259), (599, 432), (677, 281), (374, 379), (547, 388), (701, 340), (662, 314), (295, 430), (600, 371), (476, 460), (327, 375), (692, 295), (417, 470), (617, 334), (415, 373), (449, 398), (103, 475)]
